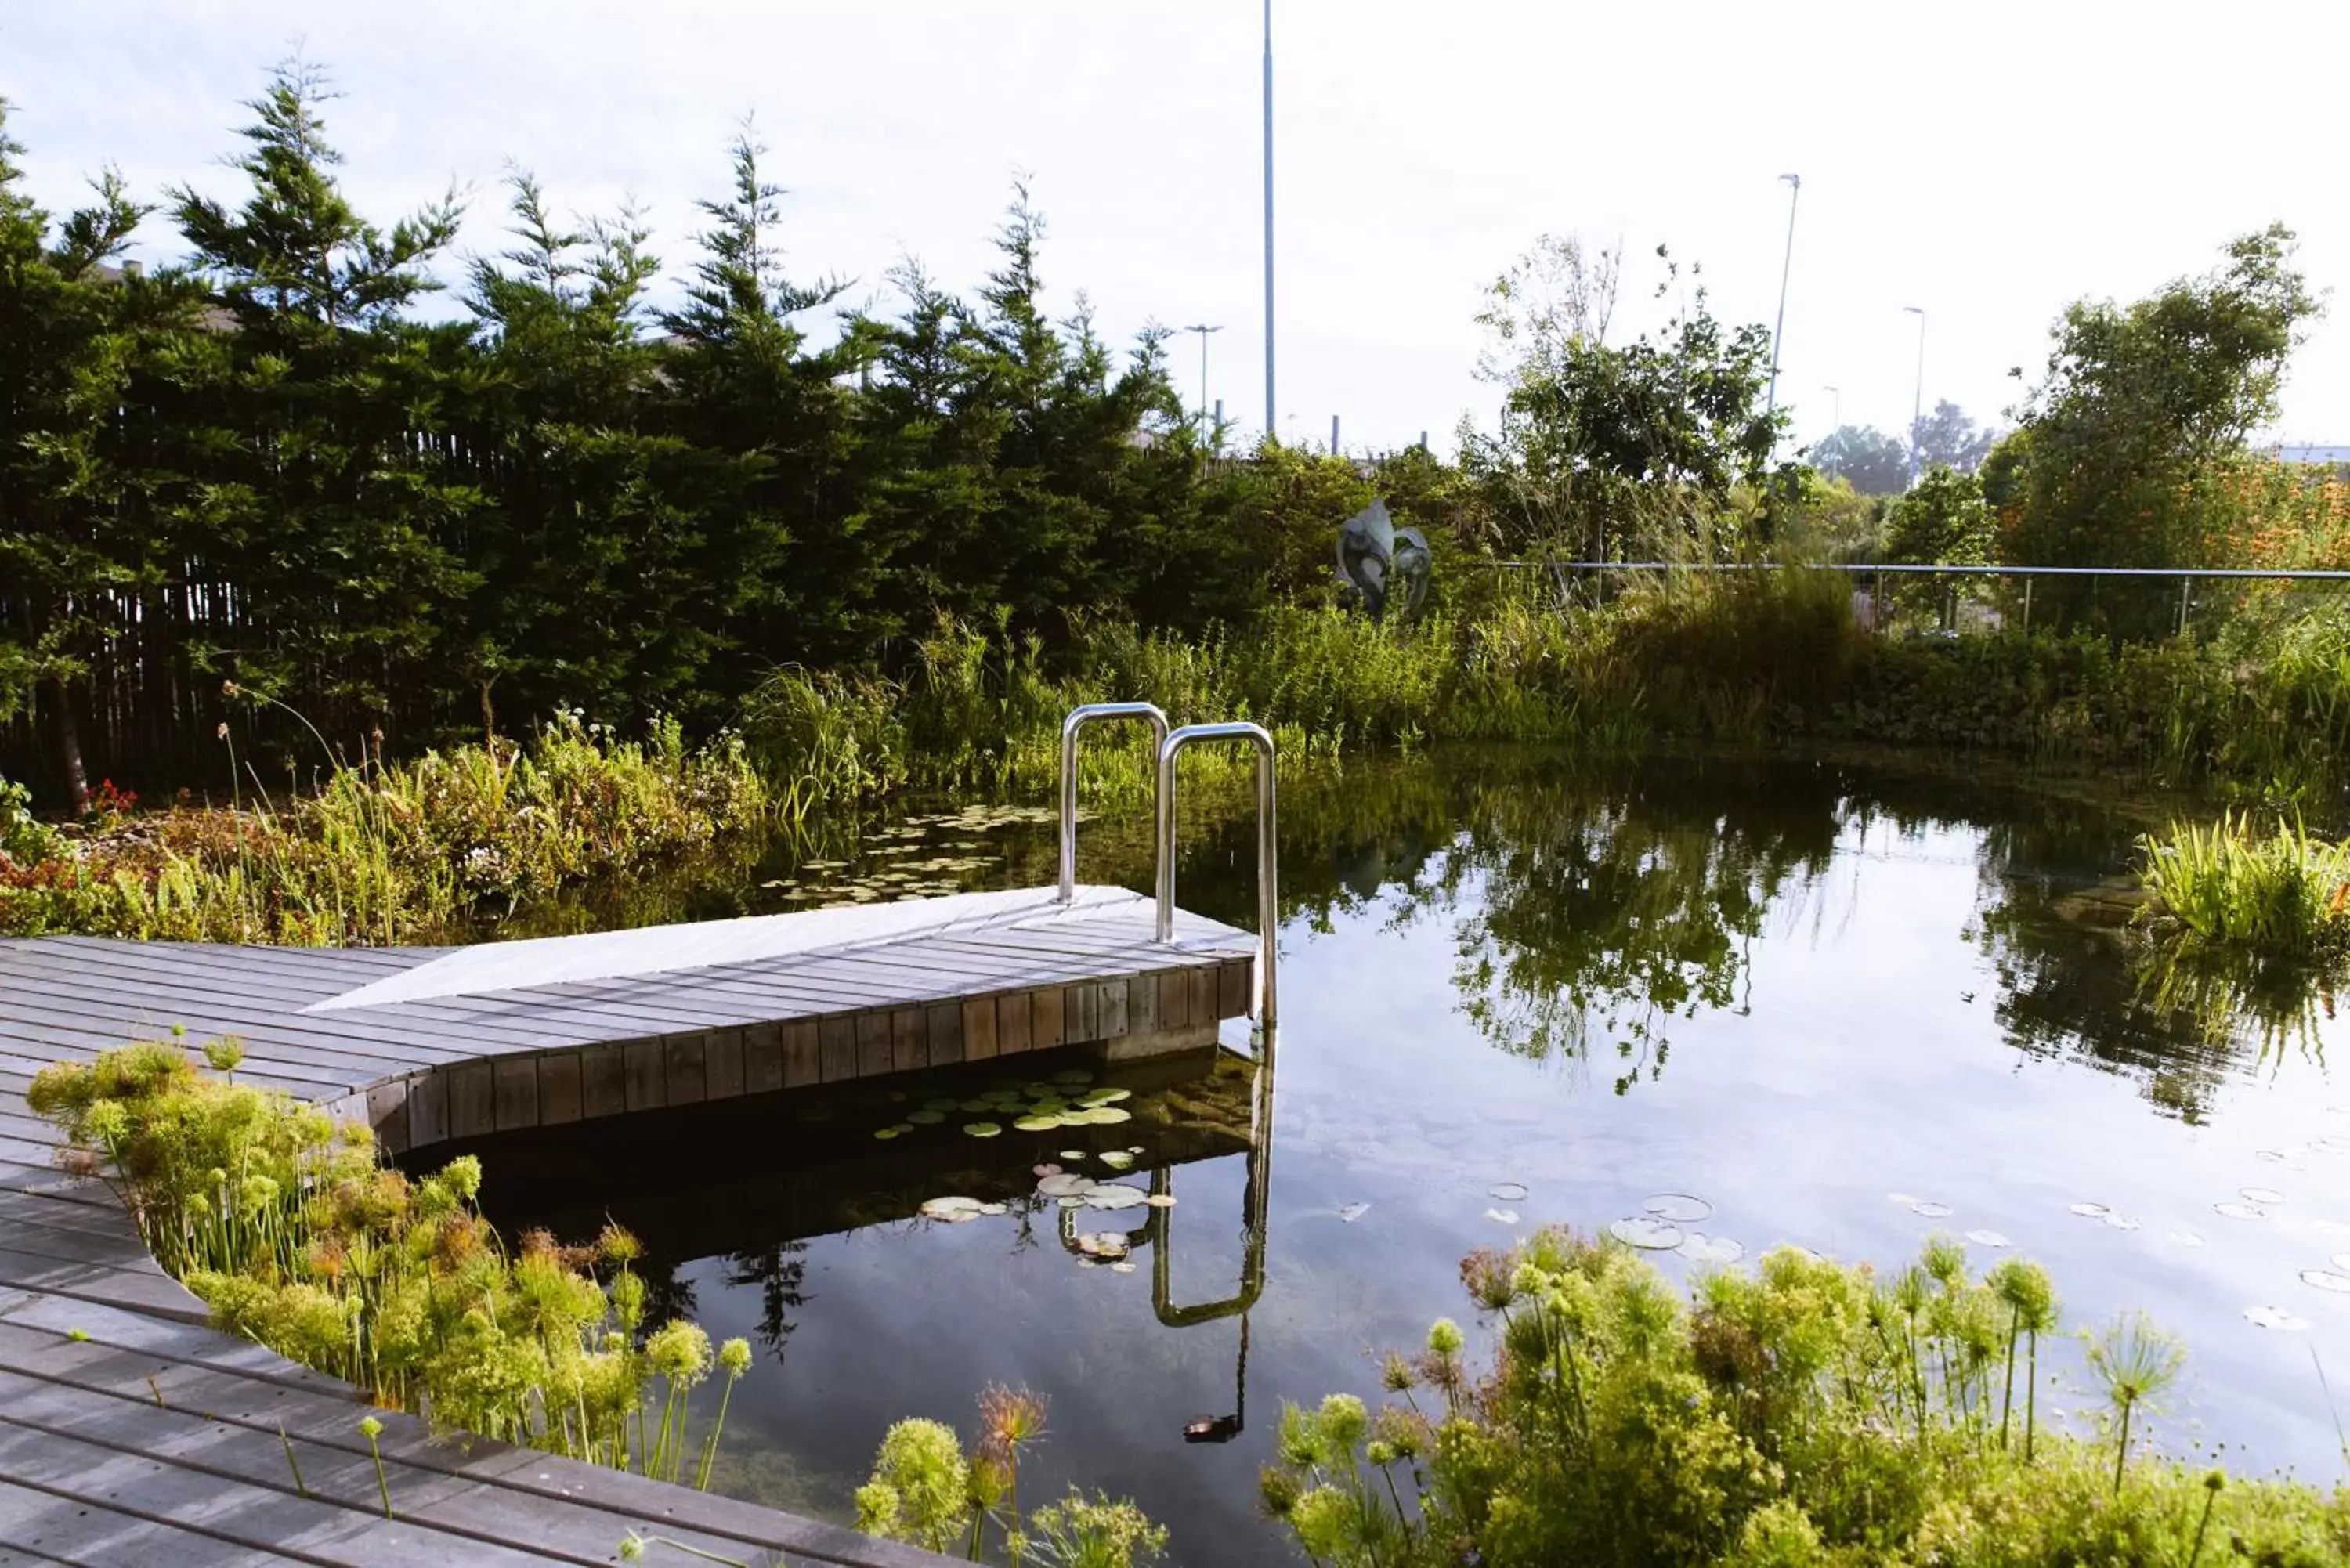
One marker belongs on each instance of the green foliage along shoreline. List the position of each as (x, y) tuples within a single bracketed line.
[(1805, 1415), (295, 1234)]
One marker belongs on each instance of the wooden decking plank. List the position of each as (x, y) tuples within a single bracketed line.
[(44, 1527), (294, 1077), (336, 1467), (144, 1288), (190, 1496)]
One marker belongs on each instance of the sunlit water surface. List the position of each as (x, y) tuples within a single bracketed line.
[(1845, 1006)]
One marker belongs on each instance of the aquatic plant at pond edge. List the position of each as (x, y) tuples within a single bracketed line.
[(384, 853), (1807, 1413), (2279, 897), (926, 1490), (295, 1234)]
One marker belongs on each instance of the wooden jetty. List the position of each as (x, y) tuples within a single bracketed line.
[(132, 1434)]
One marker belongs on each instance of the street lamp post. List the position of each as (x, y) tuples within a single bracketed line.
[(1794, 190), (1208, 430), (1269, 425), (1916, 398)]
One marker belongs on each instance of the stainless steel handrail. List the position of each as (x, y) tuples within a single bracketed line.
[(1268, 909), (1077, 720)]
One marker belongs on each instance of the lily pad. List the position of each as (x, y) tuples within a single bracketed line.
[(2240, 1211), (996, 1209), (2277, 1318), (1065, 1185), (975, 1105), (1104, 1096), (925, 1118), (2325, 1280), (1503, 1216), (1104, 1116), (1350, 1213), (2261, 1194), (1037, 1124), (1073, 1154), (981, 1130), (1931, 1209), (1114, 1195), (1103, 1244), (1117, 1159), (1045, 1171), (2121, 1222), (1160, 1201), (1072, 1075), (1988, 1238), (1122, 1268), (1507, 1192), (1646, 1231), (952, 1210), (885, 1134), (2091, 1211), (1699, 1248), (1679, 1207)]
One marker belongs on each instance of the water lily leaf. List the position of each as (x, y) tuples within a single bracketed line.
[(1037, 1124), (1104, 1096), (954, 1210), (2277, 1318), (1646, 1231), (2121, 1222), (1106, 1116), (1681, 1208), (1114, 1195), (1072, 1154), (1160, 1201), (2240, 1211), (975, 1105), (1988, 1238), (1065, 1185), (925, 1118), (1117, 1159), (887, 1133), (1699, 1248), (994, 1209), (1931, 1209), (1503, 1216), (2325, 1280), (981, 1130), (1507, 1192), (1072, 1201), (1046, 1170), (1121, 1268), (2091, 1211), (1351, 1212)]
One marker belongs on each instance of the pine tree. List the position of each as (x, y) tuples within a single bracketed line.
[(341, 484)]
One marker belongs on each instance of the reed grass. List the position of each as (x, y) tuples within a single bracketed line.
[(295, 1234), (2278, 896)]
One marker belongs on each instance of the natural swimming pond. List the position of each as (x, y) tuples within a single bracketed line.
[(1717, 1006)]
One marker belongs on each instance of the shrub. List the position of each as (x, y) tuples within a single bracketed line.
[(2279, 898), (1806, 1413)]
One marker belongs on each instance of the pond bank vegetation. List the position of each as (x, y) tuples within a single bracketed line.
[(294, 1234), (1807, 1412)]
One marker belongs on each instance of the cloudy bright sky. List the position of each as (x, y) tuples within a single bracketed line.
[(1989, 162)]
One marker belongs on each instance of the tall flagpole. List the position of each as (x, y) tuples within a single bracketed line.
[(1270, 424)]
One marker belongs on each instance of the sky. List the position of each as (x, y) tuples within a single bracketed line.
[(1989, 162)]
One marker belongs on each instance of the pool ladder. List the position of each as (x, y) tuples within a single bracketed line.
[(1168, 744)]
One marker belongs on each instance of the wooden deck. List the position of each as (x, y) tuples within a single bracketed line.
[(132, 1434)]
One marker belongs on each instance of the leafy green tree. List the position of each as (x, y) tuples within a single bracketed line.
[(324, 424), (1943, 521), (1870, 460), (1603, 449), (79, 545), (2125, 440), (1947, 437)]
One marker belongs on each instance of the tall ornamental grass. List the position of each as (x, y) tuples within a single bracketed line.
[(294, 1234)]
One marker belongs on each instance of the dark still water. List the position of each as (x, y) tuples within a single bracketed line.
[(1837, 1006)]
